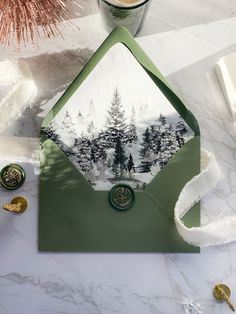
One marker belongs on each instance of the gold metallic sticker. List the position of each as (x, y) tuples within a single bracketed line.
[(222, 293), (18, 205)]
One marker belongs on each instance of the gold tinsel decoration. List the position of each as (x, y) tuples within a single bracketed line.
[(20, 19)]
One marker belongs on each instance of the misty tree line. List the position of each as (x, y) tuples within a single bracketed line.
[(160, 142)]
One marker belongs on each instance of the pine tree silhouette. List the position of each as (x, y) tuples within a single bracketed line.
[(146, 153), (155, 137), (68, 124), (162, 119), (145, 166), (79, 115), (130, 165), (119, 160), (146, 144), (95, 151), (181, 127), (98, 152), (90, 130), (82, 149), (168, 145), (144, 185), (115, 122), (50, 133), (132, 132), (180, 130)]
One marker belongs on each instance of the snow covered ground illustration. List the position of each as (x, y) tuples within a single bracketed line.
[(118, 126)]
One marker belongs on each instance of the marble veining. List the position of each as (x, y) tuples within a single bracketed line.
[(184, 40)]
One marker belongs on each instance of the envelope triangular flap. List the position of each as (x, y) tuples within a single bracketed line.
[(129, 128)]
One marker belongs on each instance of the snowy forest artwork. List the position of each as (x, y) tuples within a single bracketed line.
[(116, 135)]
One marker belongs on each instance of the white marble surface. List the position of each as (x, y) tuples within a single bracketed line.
[(184, 38)]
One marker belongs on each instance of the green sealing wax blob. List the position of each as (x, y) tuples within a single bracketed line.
[(122, 197), (12, 177)]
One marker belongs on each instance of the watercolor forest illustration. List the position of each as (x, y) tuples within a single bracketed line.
[(129, 144), (118, 127)]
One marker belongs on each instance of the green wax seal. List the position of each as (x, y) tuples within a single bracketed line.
[(12, 177), (121, 197)]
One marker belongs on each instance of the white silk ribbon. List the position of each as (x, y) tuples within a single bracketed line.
[(24, 89), (215, 233)]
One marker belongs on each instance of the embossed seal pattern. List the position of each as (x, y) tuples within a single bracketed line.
[(12, 177), (122, 197)]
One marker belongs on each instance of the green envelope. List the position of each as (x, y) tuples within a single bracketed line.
[(74, 217)]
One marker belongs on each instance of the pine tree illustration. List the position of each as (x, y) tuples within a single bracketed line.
[(132, 132), (119, 160), (155, 137), (50, 133), (79, 115), (82, 149), (168, 146), (146, 153), (162, 119), (100, 146), (94, 151), (68, 124), (146, 144), (145, 166), (130, 165), (91, 130), (181, 127), (116, 122), (98, 152), (144, 185), (180, 130), (98, 158)]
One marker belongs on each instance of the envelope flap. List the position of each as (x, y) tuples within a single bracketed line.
[(121, 35)]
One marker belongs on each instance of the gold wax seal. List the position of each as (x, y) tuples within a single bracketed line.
[(18, 205), (222, 293)]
